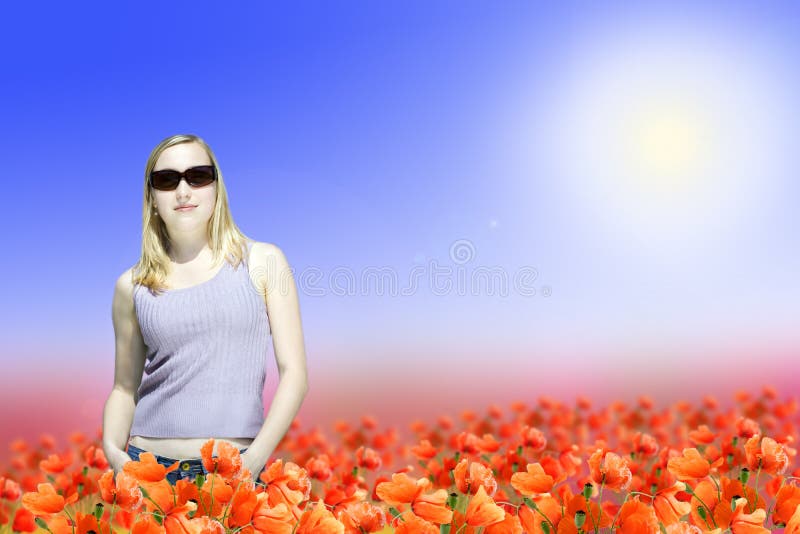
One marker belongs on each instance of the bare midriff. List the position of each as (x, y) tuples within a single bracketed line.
[(184, 448)]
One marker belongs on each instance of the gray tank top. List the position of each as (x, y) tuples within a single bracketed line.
[(206, 358)]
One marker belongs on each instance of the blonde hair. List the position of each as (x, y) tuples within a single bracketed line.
[(223, 234)]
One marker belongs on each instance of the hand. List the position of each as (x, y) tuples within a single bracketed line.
[(118, 458), (252, 464)]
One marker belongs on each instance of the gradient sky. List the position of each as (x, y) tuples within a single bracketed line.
[(640, 160)]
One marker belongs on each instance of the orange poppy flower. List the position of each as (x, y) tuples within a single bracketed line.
[(228, 462), (123, 492), (404, 490), (786, 501), (361, 516), (594, 515), (533, 437), (691, 466), (769, 456), (424, 451), (532, 482), (409, 523), (669, 510), (46, 502), (645, 444), (289, 484), (269, 519), (479, 475), (793, 525), (636, 517), (482, 510), (747, 523), (688, 528), (702, 436), (548, 511), (319, 519), (610, 469)]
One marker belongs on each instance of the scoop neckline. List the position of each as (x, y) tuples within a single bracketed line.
[(219, 272)]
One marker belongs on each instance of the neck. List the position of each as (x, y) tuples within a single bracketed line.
[(186, 250)]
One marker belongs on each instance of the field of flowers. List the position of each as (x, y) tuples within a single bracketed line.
[(544, 467)]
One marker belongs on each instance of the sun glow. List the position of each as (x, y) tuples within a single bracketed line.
[(669, 141), (665, 148)]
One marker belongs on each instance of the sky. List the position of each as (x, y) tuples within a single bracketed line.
[(606, 191)]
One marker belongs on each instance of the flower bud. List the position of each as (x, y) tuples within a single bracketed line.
[(580, 519), (744, 475)]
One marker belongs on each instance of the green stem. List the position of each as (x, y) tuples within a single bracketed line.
[(70, 518), (147, 496), (719, 491), (225, 511), (599, 505), (756, 488), (623, 503), (532, 504), (589, 508), (779, 488), (710, 513), (234, 531)]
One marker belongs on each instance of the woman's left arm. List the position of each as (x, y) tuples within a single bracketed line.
[(283, 308)]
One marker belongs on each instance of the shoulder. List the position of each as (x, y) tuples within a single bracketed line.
[(263, 251), (269, 260), (124, 283), (123, 293)]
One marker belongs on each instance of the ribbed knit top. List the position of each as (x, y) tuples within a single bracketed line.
[(206, 358)]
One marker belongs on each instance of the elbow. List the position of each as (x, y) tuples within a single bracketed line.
[(297, 376), (302, 381)]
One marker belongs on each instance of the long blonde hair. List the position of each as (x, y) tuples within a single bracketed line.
[(223, 234)]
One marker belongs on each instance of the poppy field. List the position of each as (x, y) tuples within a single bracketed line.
[(540, 466)]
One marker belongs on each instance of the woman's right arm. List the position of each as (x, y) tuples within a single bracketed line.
[(129, 364)]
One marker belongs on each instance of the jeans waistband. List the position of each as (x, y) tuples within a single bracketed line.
[(193, 461)]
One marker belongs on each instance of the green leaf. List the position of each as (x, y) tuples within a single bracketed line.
[(39, 521)]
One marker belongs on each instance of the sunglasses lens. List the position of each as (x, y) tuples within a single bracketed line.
[(165, 180), (200, 176)]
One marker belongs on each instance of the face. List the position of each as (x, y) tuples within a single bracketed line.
[(181, 157)]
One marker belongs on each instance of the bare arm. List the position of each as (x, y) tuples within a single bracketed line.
[(129, 364), (287, 338)]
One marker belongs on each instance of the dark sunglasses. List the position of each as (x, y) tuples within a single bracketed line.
[(168, 180)]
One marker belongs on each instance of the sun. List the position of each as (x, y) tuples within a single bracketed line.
[(665, 148), (668, 145)]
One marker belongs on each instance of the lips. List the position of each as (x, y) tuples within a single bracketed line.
[(186, 206)]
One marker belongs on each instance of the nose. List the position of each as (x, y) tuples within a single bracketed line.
[(183, 188)]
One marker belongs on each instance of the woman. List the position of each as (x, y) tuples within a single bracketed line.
[(192, 320)]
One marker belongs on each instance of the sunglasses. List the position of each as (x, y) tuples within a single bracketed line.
[(168, 180)]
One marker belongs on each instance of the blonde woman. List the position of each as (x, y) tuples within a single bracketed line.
[(192, 321)]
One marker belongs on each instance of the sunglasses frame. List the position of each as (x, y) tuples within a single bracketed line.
[(182, 175)]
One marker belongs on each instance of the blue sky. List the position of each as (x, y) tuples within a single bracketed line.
[(378, 134)]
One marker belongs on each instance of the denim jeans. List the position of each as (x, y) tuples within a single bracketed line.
[(186, 469)]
